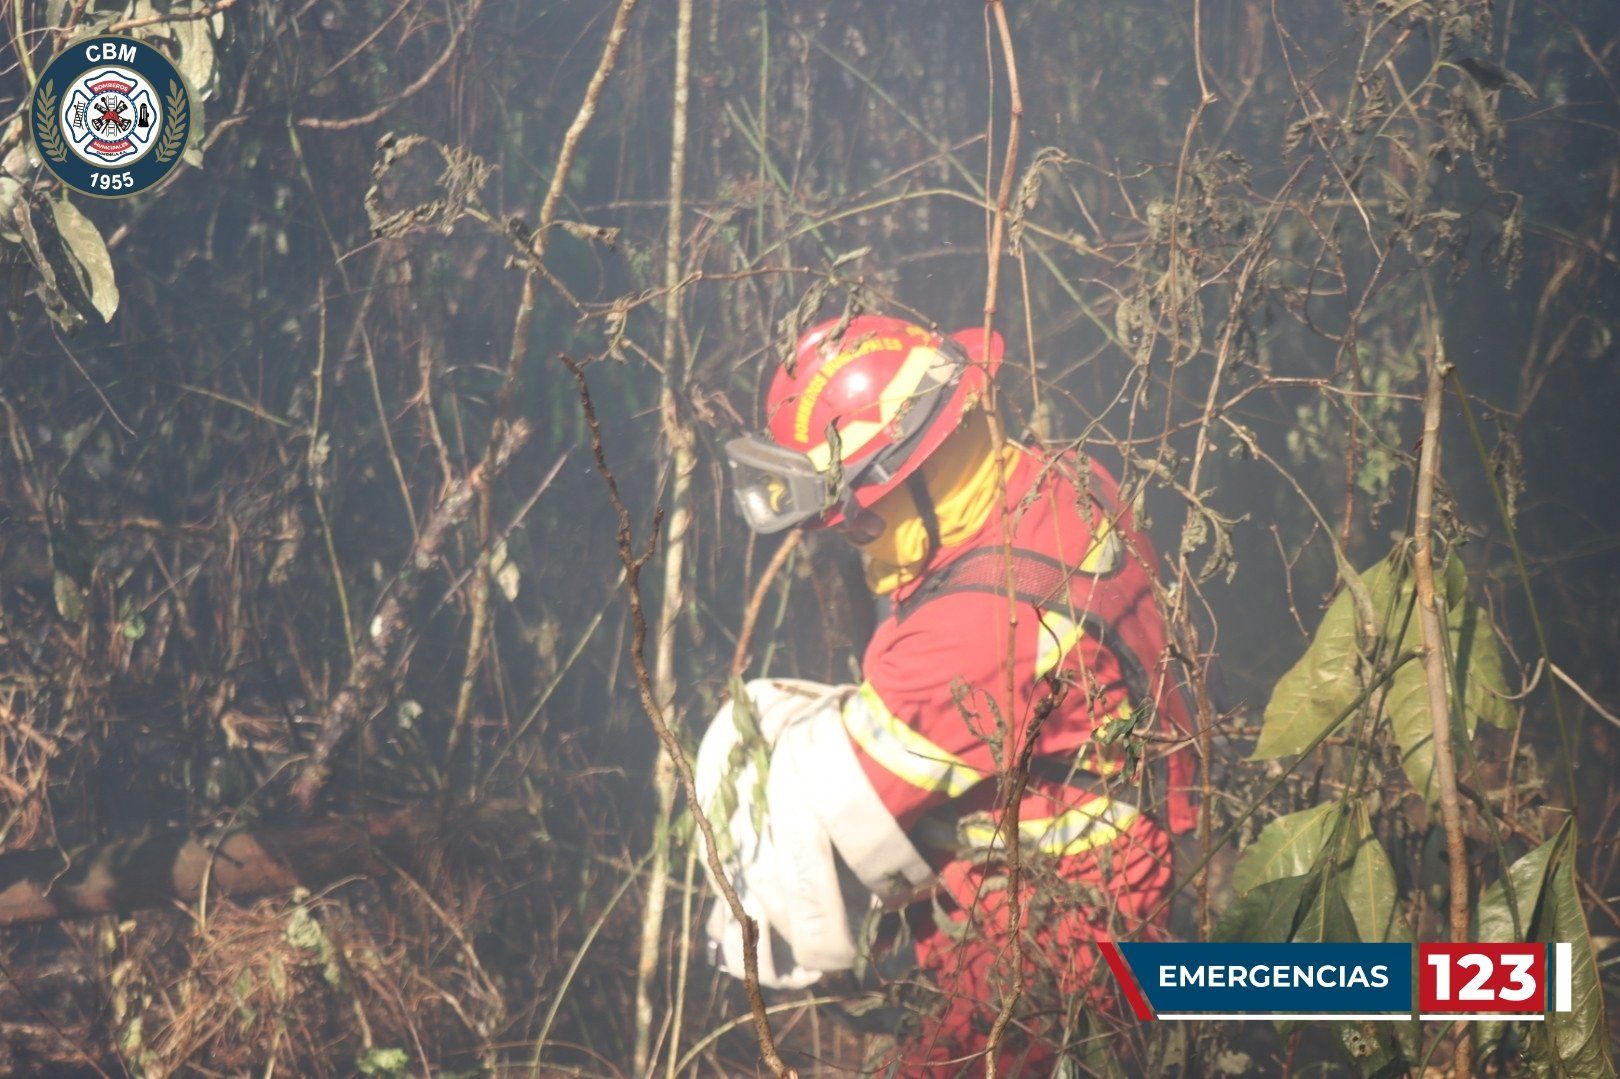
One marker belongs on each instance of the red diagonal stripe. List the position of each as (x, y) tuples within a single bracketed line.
[(1126, 980)]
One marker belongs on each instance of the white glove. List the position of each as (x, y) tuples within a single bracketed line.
[(781, 833)]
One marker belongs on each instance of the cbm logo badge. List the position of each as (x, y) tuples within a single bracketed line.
[(111, 116)]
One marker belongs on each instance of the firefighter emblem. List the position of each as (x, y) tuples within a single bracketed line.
[(111, 116)]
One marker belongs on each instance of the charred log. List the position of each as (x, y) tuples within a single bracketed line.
[(179, 865)]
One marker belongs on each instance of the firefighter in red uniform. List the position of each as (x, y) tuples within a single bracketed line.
[(838, 800)]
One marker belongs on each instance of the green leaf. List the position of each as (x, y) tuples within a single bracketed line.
[(1327, 860), (1283, 883), (383, 1061), (1324, 681), (1575, 1042), (1322, 911), (1265, 914), (304, 932), (1378, 1048), (197, 62), (1320, 686), (1477, 660), (89, 251), (1477, 665), (1287, 847), (1369, 889), (1494, 917), (1572, 1043), (1326, 916), (69, 599)]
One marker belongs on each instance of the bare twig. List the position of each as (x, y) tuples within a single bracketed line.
[(633, 564), (179, 16), (1566, 740), (102, 397), (389, 626), (559, 180), (745, 635), (416, 85), (582, 120), (479, 589), (679, 438), (1012, 783), (1591, 702)]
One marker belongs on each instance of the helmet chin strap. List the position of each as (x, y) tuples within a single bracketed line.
[(918, 487)]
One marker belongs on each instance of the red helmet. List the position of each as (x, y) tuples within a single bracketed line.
[(853, 416)]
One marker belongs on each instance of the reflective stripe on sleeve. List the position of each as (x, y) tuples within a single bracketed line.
[(1105, 552), (1096, 824), (1059, 634), (902, 751)]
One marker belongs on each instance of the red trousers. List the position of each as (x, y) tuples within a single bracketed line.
[(966, 949)]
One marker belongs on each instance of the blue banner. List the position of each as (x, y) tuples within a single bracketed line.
[(1273, 978)]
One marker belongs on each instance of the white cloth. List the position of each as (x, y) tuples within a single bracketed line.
[(783, 828)]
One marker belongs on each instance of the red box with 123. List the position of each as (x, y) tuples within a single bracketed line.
[(1482, 977)]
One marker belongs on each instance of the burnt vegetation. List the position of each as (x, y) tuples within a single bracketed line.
[(302, 525)]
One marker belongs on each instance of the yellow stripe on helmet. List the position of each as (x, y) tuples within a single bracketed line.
[(858, 434)]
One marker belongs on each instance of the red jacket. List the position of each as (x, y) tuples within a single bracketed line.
[(930, 729)]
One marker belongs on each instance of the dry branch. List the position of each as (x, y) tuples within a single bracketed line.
[(756, 600), (1012, 782), (389, 627), (1431, 623), (683, 458), (633, 564)]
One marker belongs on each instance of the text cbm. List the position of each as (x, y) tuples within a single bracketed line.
[(98, 51)]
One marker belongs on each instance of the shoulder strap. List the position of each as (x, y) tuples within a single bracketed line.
[(1037, 579)]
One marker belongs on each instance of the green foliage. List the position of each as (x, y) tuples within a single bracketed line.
[(1320, 436), (89, 261), (748, 762), (1332, 671), (1287, 847), (384, 1061), (73, 273), (1548, 909), (304, 933), (1319, 874), (1369, 891), (1322, 875)]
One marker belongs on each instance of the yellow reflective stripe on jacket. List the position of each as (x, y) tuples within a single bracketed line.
[(885, 738), (1096, 824), (1106, 551), (1059, 634)]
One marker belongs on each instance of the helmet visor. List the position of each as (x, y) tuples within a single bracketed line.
[(775, 487)]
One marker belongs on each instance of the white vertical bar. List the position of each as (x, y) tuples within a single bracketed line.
[(1563, 977)]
